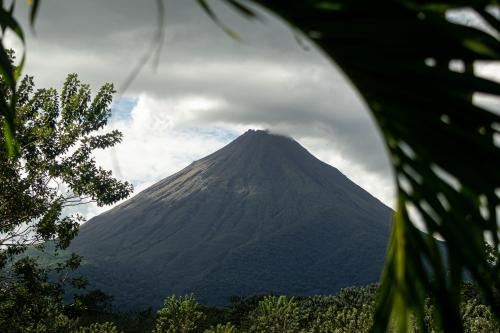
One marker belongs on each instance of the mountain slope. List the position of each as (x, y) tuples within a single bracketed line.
[(259, 215)]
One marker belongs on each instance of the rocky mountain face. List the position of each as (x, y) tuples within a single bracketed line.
[(260, 215)]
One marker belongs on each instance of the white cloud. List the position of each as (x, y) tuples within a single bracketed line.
[(378, 184), (207, 88), (156, 144), (155, 116)]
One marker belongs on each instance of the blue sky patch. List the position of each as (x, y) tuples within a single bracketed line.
[(219, 133), (121, 109)]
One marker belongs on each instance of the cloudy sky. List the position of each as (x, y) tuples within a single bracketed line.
[(206, 89)]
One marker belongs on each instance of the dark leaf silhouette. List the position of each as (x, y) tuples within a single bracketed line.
[(442, 145)]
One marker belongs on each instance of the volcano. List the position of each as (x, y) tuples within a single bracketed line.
[(260, 215)]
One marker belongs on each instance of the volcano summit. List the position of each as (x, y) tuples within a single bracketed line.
[(260, 215)]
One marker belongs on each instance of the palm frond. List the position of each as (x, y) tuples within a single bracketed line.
[(444, 148)]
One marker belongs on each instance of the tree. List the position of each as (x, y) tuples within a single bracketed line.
[(478, 318), (179, 315), (106, 327), (30, 303), (344, 319), (275, 314), (55, 169), (222, 328)]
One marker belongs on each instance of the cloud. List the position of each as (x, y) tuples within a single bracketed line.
[(207, 88), (154, 147)]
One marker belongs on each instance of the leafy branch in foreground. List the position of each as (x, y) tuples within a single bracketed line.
[(55, 168), (443, 147)]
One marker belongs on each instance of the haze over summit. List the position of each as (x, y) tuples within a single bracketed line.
[(259, 215)]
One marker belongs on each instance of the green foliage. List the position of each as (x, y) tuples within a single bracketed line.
[(275, 314), (32, 297), (29, 302), (98, 328), (222, 328), (344, 319), (179, 315), (349, 311), (478, 318), (140, 322), (215, 316), (239, 309), (55, 168)]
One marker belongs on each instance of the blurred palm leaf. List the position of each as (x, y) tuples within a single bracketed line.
[(11, 73), (443, 147)]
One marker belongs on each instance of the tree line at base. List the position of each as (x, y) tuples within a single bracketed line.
[(32, 303)]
